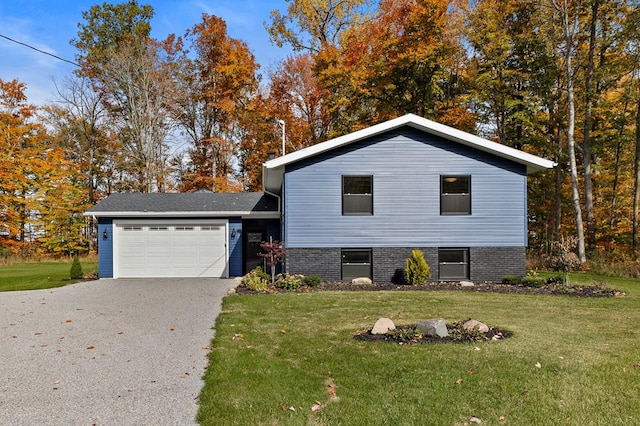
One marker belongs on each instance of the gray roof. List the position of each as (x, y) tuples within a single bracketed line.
[(184, 204)]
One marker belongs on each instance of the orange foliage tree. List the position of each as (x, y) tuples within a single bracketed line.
[(39, 199), (214, 88), (398, 62)]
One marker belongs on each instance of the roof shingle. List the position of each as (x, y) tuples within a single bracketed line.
[(191, 202)]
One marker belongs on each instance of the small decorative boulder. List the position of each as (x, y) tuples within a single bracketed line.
[(471, 324), (466, 284), (433, 327), (361, 281), (383, 326)]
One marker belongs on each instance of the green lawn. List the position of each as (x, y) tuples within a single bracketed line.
[(570, 361), (39, 275)]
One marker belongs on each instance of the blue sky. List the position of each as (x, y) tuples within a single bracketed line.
[(49, 25)]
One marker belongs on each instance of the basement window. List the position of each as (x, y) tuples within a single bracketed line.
[(453, 264), (356, 263)]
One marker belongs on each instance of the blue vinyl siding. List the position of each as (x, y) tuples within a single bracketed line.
[(235, 247), (105, 248), (406, 166)]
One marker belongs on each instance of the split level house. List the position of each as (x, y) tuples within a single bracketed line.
[(354, 206)]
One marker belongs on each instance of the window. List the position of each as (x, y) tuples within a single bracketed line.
[(158, 228), (184, 228), (356, 263), (357, 195), (132, 228), (453, 264), (455, 195)]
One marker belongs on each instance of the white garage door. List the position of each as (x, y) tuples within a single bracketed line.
[(176, 249)]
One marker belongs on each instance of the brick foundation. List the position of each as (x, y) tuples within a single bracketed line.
[(486, 263)]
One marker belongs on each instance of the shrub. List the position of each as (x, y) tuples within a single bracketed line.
[(272, 252), (556, 279), (76, 269), (536, 282), (312, 280), (459, 333), (256, 280), (289, 282), (405, 334), (512, 280), (416, 270)]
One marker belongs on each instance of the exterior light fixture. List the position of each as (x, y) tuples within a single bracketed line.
[(105, 234), (235, 232)]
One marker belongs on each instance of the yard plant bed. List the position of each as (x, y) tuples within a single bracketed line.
[(589, 290), (406, 334)]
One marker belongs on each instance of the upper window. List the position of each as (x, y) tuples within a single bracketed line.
[(455, 194), (357, 195)]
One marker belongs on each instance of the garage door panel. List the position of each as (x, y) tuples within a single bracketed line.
[(171, 250)]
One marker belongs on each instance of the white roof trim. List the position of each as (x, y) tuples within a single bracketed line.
[(533, 162)]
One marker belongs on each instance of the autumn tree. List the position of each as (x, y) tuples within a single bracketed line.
[(391, 64), (80, 125), (318, 28), (296, 89), (515, 92), (106, 27), (37, 183), (260, 138), (127, 68), (511, 68), (61, 204), (560, 23), (312, 25), (139, 96), (214, 86)]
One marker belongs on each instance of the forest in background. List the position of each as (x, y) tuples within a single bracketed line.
[(556, 78)]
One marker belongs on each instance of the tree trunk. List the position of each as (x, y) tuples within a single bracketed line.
[(574, 175), (569, 42), (586, 145), (558, 207), (636, 184)]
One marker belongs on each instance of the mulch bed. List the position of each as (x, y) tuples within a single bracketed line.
[(485, 287), (493, 333)]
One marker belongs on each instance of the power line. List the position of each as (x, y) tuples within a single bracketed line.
[(40, 51)]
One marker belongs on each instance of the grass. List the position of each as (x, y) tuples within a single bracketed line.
[(570, 361), (40, 275)]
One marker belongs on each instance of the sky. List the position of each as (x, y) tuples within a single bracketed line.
[(49, 25)]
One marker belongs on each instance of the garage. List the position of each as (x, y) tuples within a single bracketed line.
[(194, 234), (188, 248)]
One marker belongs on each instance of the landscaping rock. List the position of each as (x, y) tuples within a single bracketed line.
[(383, 326), (433, 327), (471, 324), (361, 281), (466, 284)]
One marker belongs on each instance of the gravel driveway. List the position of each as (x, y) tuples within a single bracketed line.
[(107, 352)]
